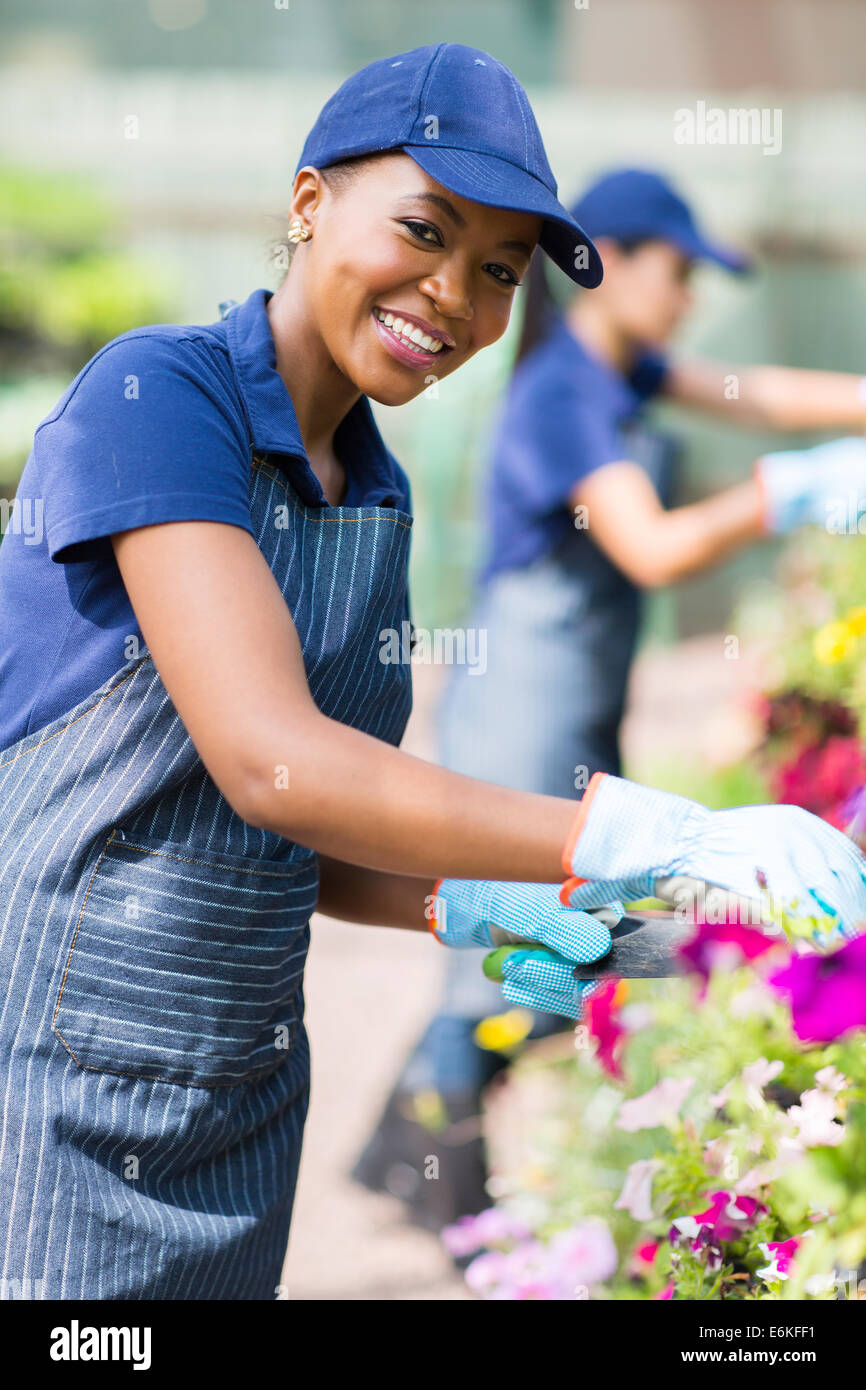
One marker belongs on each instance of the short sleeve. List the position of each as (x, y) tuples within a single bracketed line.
[(146, 433), (562, 439)]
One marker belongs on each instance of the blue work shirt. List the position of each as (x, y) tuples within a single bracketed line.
[(566, 413), (156, 427)]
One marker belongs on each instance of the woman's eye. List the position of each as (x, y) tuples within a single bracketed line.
[(507, 277), (419, 229)]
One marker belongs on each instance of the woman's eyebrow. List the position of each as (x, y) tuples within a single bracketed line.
[(459, 220)]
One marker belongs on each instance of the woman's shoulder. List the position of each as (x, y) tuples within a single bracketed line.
[(163, 359)]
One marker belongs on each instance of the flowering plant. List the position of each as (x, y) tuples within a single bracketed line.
[(707, 1140)]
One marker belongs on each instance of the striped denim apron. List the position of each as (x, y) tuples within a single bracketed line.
[(152, 948)]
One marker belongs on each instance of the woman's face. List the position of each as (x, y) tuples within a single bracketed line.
[(393, 254), (646, 290)]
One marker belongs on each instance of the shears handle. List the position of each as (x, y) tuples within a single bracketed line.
[(643, 947)]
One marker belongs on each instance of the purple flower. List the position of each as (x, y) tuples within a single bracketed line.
[(726, 1218), (717, 945), (494, 1227), (827, 993)]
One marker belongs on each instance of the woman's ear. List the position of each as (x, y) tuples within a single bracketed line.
[(308, 193)]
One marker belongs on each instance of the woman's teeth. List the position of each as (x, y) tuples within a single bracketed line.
[(408, 334)]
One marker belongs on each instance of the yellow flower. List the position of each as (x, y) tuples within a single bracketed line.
[(855, 620), (428, 1109), (832, 643), (502, 1032)]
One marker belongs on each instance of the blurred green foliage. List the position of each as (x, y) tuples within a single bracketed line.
[(67, 287)]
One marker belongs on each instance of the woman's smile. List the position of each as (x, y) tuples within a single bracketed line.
[(410, 339)]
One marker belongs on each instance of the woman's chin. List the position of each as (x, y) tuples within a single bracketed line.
[(385, 391)]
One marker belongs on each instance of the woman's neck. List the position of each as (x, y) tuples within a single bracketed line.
[(321, 394), (593, 326)]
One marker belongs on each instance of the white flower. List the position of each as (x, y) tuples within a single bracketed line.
[(756, 1076), (829, 1079), (815, 1120), (687, 1226), (636, 1195)]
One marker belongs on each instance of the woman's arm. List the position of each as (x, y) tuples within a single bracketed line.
[(654, 547), (784, 398), (224, 643), (373, 899)]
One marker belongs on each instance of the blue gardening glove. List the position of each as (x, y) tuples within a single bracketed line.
[(631, 841), (471, 913), (825, 485)]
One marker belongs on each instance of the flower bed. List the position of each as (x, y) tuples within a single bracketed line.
[(704, 1137), (707, 1138)]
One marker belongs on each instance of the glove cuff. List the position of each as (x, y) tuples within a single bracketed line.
[(432, 924), (784, 479), (626, 831), (568, 849)]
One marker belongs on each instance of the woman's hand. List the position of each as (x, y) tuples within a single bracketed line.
[(472, 913), (626, 837), (823, 486)]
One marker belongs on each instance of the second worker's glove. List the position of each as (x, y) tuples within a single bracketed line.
[(824, 486)]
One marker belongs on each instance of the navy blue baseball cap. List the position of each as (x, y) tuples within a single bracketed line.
[(638, 204), (465, 119)]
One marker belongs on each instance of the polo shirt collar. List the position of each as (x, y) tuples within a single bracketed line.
[(370, 475)]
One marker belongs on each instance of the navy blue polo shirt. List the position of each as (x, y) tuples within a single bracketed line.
[(158, 426), (566, 412)]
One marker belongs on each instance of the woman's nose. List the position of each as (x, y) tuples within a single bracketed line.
[(450, 296)]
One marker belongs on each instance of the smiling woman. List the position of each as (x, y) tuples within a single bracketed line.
[(211, 749)]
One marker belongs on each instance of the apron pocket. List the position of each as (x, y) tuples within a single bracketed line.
[(186, 964)]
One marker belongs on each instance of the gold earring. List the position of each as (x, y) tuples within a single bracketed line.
[(298, 232)]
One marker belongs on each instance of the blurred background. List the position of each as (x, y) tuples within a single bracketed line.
[(146, 154)]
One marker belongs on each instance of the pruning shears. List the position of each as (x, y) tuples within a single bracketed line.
[(643, 947), (645, 941)]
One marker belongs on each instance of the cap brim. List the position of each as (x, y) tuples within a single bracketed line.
[(700, 249), (484, 178)]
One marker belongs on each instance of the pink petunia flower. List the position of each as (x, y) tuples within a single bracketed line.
[(494, 1226), (563, 1269), (660, 1105), (827, 993), (604, 1025), (584, 1255), (780, 1256), (643, 1257)]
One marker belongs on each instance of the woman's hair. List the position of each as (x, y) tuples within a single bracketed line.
[(337, 176), (541, 307)]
